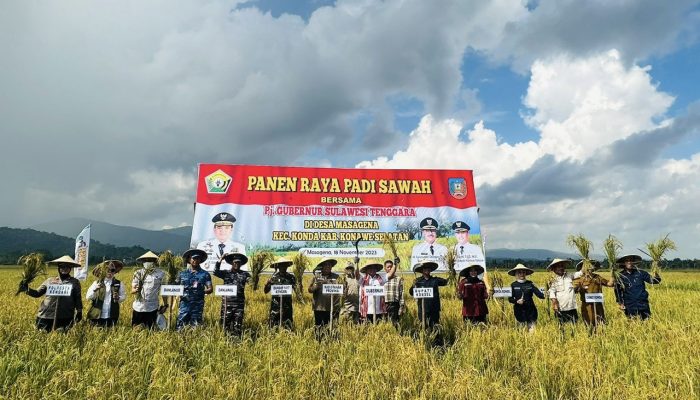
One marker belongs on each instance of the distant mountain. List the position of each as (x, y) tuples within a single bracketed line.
[(16, 242), (530, 254), (176, 239)]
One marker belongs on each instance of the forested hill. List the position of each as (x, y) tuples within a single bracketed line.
[(16, 242)]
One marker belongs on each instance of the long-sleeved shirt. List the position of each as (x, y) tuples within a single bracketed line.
[(432, 305), (67, 305), (370, 305), (238, 278), (473, 293), (526, 312), (150, 289), (93, 294), (562, 289), (394, 291), (631, 290), (322, 302)]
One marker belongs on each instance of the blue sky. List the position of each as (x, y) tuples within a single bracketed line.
[(575, 116)]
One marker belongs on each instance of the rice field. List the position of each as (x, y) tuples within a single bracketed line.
[(656, 359)]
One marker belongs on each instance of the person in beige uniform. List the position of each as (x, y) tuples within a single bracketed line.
[(351, 295), (591, 284)]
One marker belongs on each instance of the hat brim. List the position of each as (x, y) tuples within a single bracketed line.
[(566, 264), (432, 266), (376, 266), (149, 256), (231, 257), (195, 252), (635, 259), (596, 265), (528, 271), (65, 260), (332, 261), (281, 264), (465, 271), (118, 265)]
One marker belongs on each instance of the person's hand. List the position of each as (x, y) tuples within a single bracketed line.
[(397, 261), (23, 286), (555, 307), (162, 309), (357, 260), (520, 301), (622, 306), (218, 264), (79, 316)]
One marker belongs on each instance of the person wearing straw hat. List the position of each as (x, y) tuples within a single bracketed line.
[(106, 293), (591, 283), (197, 284), (372, 308), (426, 280), (429, 249), (473, 293), (221, 243), (522, 292), (351, 295), (59, 312), (561, 290), (630, 290), (323, 274), (466, 254), (281, 310), (233, 309), (146, 286)]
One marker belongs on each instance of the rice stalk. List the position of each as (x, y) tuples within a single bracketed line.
[(171, 264), (300, 263), (612, 246), (33, 266), (657, 250), (450, 261), (258, 262), (389, 241), (584, 248)]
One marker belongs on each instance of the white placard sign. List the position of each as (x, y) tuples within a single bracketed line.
[(59, 290), (226, 290), (594, 298), (281, 290), (332, 289), (506, 291), (423, 293), (374, 290), (172, 290)]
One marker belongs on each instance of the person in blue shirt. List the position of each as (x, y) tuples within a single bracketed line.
[(233, 309), (197, 284), (630, 289)]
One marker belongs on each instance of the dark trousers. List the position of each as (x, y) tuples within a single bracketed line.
[(322, 318), (392, 311), (46, 325), (475, 320), (104, 322), (567, 316), (641, 314), (147, 319), (234, 320)]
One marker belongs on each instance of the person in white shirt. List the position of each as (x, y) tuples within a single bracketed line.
[(561, 290), (429, 250), (372, 308), (106, 295), (146, 286)]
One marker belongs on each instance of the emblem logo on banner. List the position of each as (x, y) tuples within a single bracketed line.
[(218, 182), (458, 187)]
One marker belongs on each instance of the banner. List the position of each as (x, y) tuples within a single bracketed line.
[(82, 247), (431, 215)]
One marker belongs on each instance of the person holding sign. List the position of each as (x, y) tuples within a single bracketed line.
[(63, 304), (561, 290), (281, 311), (233, 309), (351, 295), (430, 307), (323, 274), (221, 243), (372, 308), (197, 284), (630, 291), (473, 293), (591, 313), (522, 292), (393, 287), (429, 249), (146, 286), (466, 254), (106, 295)]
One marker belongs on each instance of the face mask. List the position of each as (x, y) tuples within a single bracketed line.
[(521, 280)]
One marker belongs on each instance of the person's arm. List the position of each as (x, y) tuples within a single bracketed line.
[(207, 285), (391, 272), (553, 298), (402, 302), (512, 298), (217, 270), (410, 290), (484, 292), (655, 280), (460, 288), (268, 284), (619, 295), (122, 293), (537, 291), (578, 274), (441, 281), (92, 290), (135, 283), (37, 293), (313, 287), (77, 300)]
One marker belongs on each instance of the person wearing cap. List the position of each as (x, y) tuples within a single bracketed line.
[(281, 277), (393, 288), (146, 286), (561, 290), (351, 295), (323, 274), (466, 254), (522, 292), (233, 310), (426, 280), (429, 249), (221, 243), (60, 312), (372, 308), (197, 284), (473, 293), (106, 294), (630, 289), (591, 283)]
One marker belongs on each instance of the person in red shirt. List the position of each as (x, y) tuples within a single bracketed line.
[(473, 293)]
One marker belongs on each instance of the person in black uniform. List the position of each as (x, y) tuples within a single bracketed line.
[(522, 291), (630, 290), (432, 305), (233, 308), (281, 277)]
